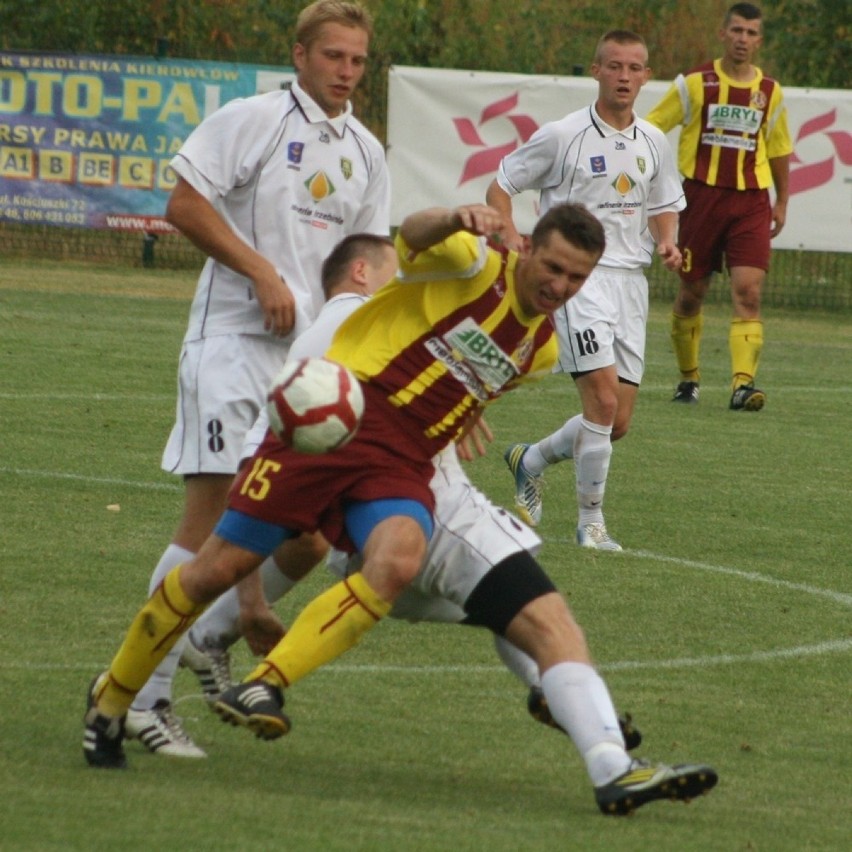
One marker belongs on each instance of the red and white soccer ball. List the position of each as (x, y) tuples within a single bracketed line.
[(315, 405)]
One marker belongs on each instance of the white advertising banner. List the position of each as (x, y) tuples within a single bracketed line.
[(448, 130)]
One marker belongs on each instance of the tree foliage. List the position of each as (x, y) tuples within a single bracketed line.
[(811, 42), (807, 41)]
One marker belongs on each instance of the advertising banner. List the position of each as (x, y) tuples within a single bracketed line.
[(85, 141), (448, 130)]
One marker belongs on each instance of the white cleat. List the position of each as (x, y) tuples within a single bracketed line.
[(596, 537), (161, 732), (211, 665)]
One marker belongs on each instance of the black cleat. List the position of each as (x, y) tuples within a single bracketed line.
[(686, 392), (255, 705), (644, 783), (102, 736), (537, 705), (747, 398)]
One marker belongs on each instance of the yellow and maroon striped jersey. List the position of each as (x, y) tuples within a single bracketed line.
[(730, 129), (446, 336)]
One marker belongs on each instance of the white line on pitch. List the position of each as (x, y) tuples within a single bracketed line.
[(92, 397), (100, 480), (752, 576), (819, 649), (629, 665)]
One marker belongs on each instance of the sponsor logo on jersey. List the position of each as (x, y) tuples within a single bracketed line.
[(619, 146), (623, 184), (738, 119), (319, 186), (295, 151), (324, 137), (724, 140), (598, 165), (472, 356), (640, 161), (522, 355), (316, 218), (346, 167), (758, 99)]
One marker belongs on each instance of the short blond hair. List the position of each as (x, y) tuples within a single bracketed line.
[(619, 37), (313, 17)]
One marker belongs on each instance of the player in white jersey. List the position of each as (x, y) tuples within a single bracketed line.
[(267, 186), (623, 170)]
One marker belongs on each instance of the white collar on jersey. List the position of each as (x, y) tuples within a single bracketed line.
[(606, 130), (315, 113)]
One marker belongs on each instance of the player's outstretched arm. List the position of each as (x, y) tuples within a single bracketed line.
[(427, 228), (500, 200)]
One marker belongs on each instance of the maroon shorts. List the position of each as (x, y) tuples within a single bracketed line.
[(719, 221), (309, 492)]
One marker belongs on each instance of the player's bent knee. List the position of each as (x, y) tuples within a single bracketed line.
[(506, 590), (217, 566), (547, 631), (393, 555)]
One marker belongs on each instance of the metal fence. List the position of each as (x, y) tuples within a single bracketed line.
[(798, 279)]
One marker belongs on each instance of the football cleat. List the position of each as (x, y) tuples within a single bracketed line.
[(595, 536), (527, 487), (255, 705), (686, 392), (160, 731), (211, 665), (644, 783), (747, 398), (537, 705), (102, 735)]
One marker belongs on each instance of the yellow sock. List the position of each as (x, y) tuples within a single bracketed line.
[(167, 614), (686, 341), (746, 341), (330, 624)]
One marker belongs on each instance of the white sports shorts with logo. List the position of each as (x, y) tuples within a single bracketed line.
[(605, 324), (222, 384), (471, 536)]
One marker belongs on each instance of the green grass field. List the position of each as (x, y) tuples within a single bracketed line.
[(724, 627)]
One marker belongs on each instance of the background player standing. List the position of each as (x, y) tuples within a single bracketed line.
[(733, 146), (623, 170)]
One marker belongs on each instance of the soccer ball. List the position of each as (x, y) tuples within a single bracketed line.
[(314, 405)]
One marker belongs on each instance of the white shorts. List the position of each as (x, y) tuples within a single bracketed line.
[(254, 437), (471, 536), (605, 324), (222, 385)]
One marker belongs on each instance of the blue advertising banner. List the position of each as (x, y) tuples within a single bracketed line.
[(85, 141)]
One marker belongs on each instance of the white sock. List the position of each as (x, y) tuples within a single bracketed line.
[(519, 664), (580, 702), (173, 556), (159, 685), (219, 625), (592, 452), (556, 447)]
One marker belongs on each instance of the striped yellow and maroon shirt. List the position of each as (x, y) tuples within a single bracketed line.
[(730, 129), (446, 337)]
